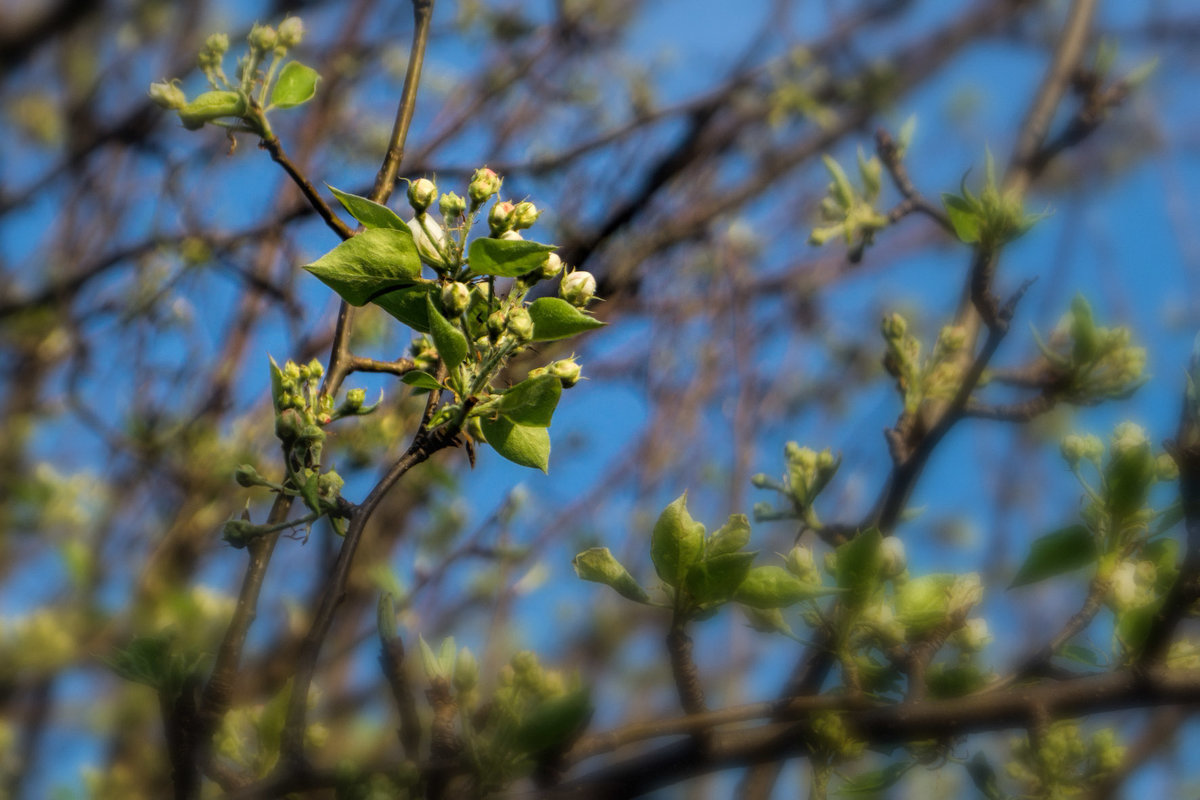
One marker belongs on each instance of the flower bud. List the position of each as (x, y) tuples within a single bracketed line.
[(524, 215), (520, 324), (262, 37), (1092, 448), (566, 370), (894, 558), (496, 323), (429, 249), (455, 298), (551, 267), (217, 43), (894, 326), (1165, 468), (1072, 448), (1128, 437), (577, 288), (952, 338), (288, 425), (801, 563), (973, 635), (329, 485), (354, 400), (167, 95), (291, 31), (1123, 589), (421, 194), (500, 218), (248, 476), (965, 593), (761, 481), (484, 184), (451, 205), (239, 532), (315, 369)]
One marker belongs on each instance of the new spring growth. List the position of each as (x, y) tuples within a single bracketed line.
[(551, 267), (455, 298), (168, 95), (520, 324), (895, 561), (484, 184), (577, 288), (452, 206), (524, 215), (262, 37), (566, 370), (421, 194), (248, 476), (1076, 448), (500, 218), (973, 636), (291, 31)]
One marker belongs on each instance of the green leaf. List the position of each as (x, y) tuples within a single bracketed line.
[(555, 318), (532, 402), (407, 304), (714, 580), (599, 565), (555, 723), (368, 212), (507, 258), (1083, 331), (1082, 655), (984, 777), (276, 382), (841, 190), (529, 447), (1064, 550), (421, 379), (954, 681), (368, 264), (730, 537), (773, 586), (964, 217), (309, 491), (876, 781), (450, 342), (676, 543), (1133, 626), (859, 562), (295, 85)]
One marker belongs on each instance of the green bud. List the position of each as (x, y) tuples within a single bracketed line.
[(484, 184), (167, 95), (455, 298), (248, 476), (217, 43), (239, 532), (500, 218), (315, 369), (421, 194), (262, 37), (288, 425), (577, 288), (894, 326), (761, 481), (496, 323), (451, 205), (566, 370), (329, 485), (211, 106), (354, 400), (1072, 448), (552, 266), (524, 215), (520, 324), (291, 31), (1128, 437), (801, 563), (291, 370), (1165, 468), (895, 560), (973, 636)]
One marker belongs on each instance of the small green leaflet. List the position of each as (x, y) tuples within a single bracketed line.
[(407, 304), (715, 579), (421, 380), (772, 586), (296, 84), (529, 447), (555, 318), (676, 543), (507, 258), (368, 212), (369, 264), (532, 402), (964, 217), (1064, 550), (449, 340)]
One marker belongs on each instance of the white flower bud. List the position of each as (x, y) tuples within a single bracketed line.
[(578, 288), (1123, 589), (426, 247), (455, 298), (895, 560), (973, 635), (552, 267), (1128, 437), (566, 370), (421, 194), (524, 215), (291, 31), (484, 184), (500, 218)]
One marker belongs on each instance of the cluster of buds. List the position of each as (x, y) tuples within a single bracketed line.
[(808, 473), (849, 212), (567, 370), (1100, 363), (1132, 585), (484, 184), (1061, 761), (1076, 448)]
